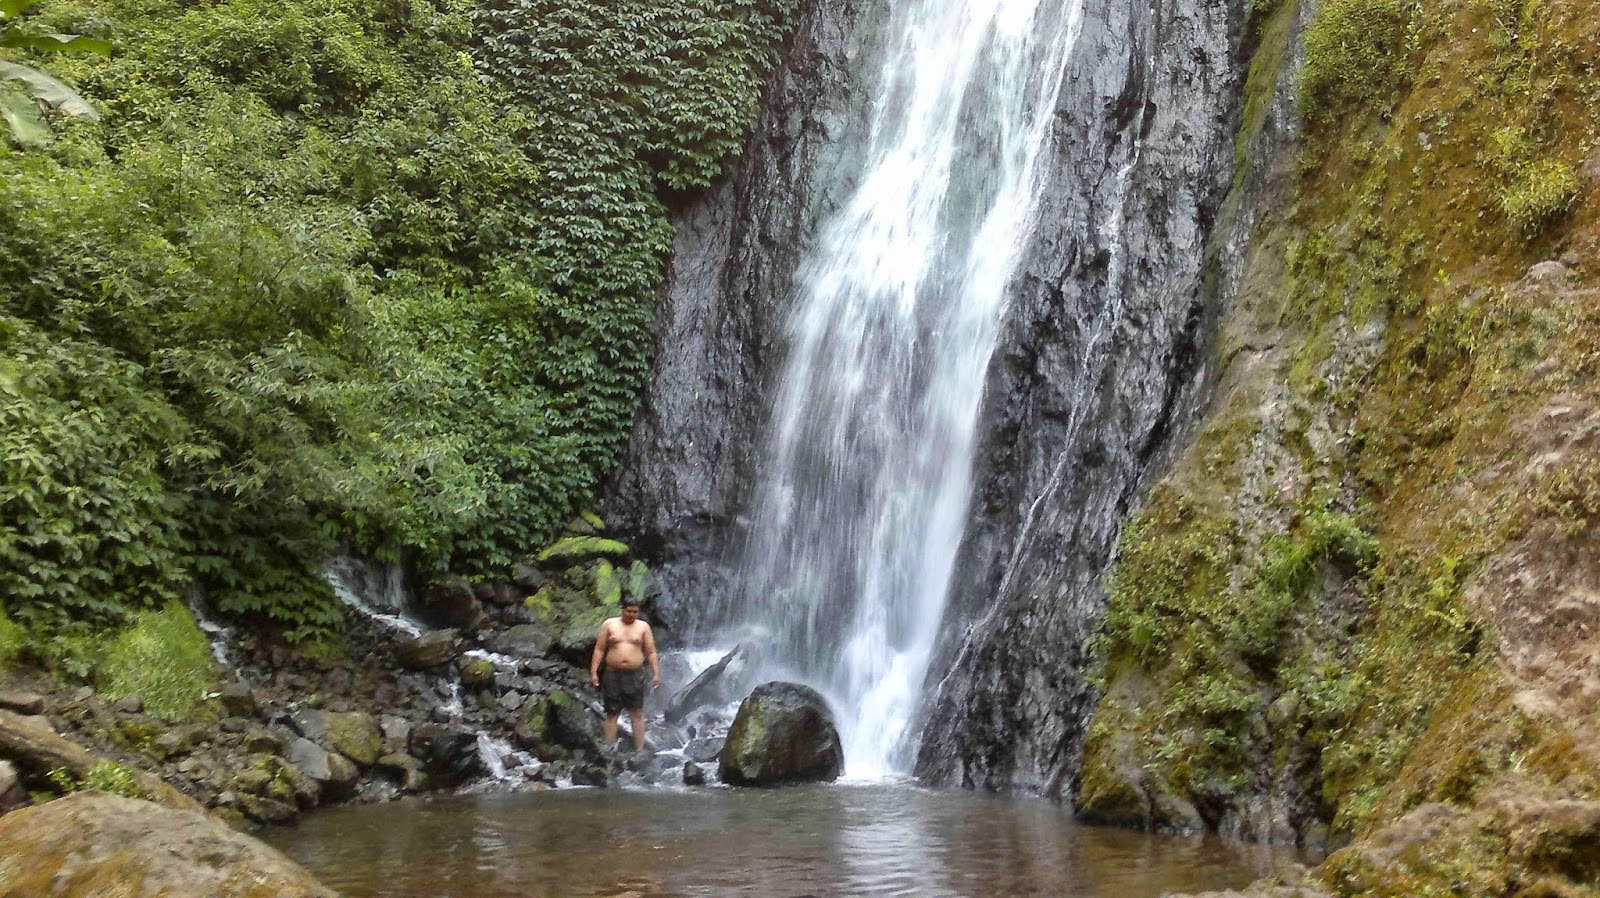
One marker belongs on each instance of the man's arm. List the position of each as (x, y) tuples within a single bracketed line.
[(600, 644), (650, 652)]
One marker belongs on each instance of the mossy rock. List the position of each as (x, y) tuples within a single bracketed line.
[(476, 673), (578, 547), (784, 733), (642, 585), (575, 645), (607, 588), (356, 736), (558, 721)]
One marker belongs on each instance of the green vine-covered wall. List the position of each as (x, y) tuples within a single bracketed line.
[(374, 274)]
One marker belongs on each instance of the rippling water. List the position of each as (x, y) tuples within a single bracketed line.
[(819, 842)]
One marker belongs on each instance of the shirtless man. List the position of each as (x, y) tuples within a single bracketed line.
[(625, 643)]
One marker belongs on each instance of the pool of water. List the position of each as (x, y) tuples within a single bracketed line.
[(818, 842)]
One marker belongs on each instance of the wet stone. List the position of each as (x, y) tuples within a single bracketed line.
[(22, 702), (128, 704)]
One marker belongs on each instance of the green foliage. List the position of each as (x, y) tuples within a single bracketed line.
[(13, 641), (165, 659), (102, 776), (372, 273), (21, 86), (1356, 56)]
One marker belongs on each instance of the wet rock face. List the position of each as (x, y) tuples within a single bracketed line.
[(688, 464), (784, 733), (1101, 367), (96, 844)]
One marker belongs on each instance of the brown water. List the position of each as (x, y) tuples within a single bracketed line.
[(822, 842)]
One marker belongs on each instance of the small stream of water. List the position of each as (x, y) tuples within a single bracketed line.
[(876, 841)]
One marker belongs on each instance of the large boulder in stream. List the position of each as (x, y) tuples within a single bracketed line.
[(95, 844), (783, 733)]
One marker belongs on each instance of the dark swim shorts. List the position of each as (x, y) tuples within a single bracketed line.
[(622, 690)]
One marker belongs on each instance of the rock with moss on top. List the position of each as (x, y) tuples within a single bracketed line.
[(784, 733)]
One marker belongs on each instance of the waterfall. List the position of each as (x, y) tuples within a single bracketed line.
[(863, 496)]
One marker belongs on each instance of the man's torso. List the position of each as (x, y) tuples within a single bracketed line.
[(625, 644)]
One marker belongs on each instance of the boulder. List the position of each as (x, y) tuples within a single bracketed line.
[(501, 594), (354, 735), (35, 749), (334, 774), (406, 770), (129, 704), (558, 720), (448, 754), (708, 687), (783, 733), (527, 576), (693, 775), (238, 701), (428, 651), (93, 844), (524, 640), (575, 643), (452, 602)]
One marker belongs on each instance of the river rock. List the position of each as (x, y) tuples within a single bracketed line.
[(452, 602), (238, 701), (22, 702), (783, 733), (476, 673), (95, 844), (558, 720), (428, 651), (356, 736), (704, 749), (334, 773), (406, 770), (523, 640), (693, 775), (129, 704), (448, 754)]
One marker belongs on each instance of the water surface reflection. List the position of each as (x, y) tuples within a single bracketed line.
[(816, 842)]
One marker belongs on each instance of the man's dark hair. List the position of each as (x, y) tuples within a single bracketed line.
[(630, 603)]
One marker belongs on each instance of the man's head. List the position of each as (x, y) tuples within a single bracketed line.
[(630, 611)]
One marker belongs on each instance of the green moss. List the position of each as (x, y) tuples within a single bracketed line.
[(1356, 56), (165, 659), (607, 588), (576, 547)]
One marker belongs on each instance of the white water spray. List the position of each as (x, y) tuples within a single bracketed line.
[(869, 462)]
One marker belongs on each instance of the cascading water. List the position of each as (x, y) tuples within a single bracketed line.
[(862, 503)]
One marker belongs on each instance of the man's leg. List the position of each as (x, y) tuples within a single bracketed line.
[(636, 715), (611, 729)]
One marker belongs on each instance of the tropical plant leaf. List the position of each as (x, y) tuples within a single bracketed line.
[(49, 89), (10, 9), (17, 38), (21, 116)]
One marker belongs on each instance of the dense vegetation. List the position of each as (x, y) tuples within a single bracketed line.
[(363, 273)]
